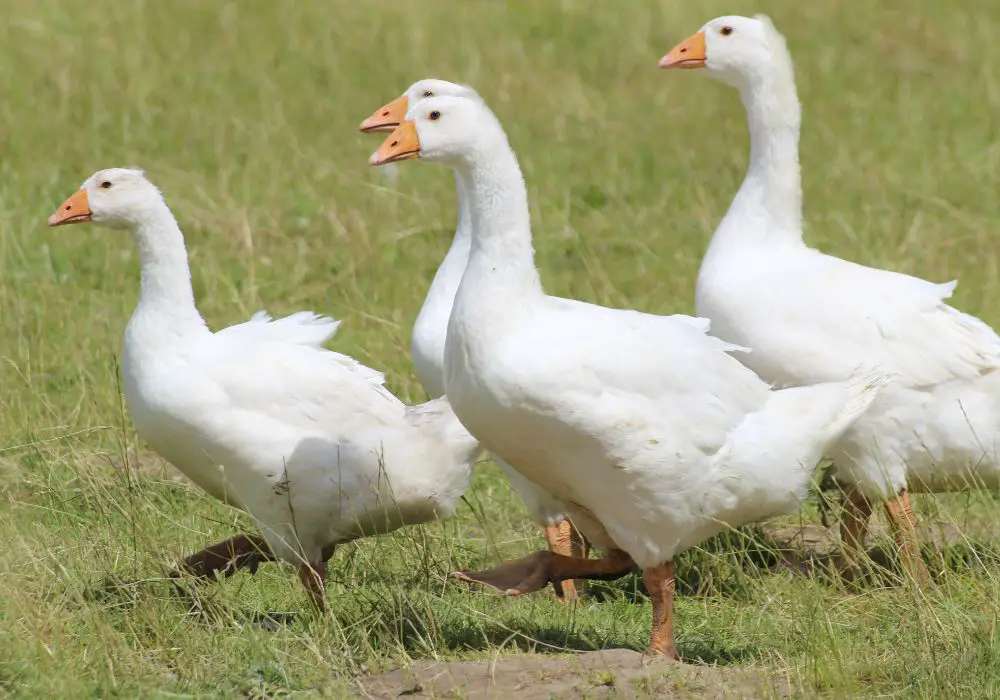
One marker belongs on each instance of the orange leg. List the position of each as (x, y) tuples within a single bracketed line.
[(248, 552), (853, 531), (228, 557), (566, 540), (904, 531), (535, 571), (313, 577), (857, 512), (661, 584), (854, 528)]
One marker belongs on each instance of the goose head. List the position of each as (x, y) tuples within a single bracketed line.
[(738, 51), (389, 116), (449, 130), (116, 197)]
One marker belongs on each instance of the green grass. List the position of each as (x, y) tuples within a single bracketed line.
[(245, 114)]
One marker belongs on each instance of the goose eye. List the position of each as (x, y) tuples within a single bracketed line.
[(435, 115), (726, 31), (106, 185), (428, 93)]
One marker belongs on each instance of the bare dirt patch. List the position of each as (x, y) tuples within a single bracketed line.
[(614, 673)]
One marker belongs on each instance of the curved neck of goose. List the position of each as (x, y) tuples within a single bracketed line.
[(501, 249), (166, 276), (463, 227), (450, 272), (771, 193), (431, 326)]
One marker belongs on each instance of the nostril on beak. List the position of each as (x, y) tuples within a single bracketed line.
[(394, 144), (385, 113), (684, 50), (68, 207)]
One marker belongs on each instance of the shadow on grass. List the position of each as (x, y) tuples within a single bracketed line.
[(542, 638), (415, 615), (723, 566), (539, 638), (124, 595), (944, 549), (705, 652), (728, 564)]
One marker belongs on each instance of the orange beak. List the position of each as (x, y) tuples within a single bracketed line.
[(688, 54), (401, 144), (388, 117), (74, 210)]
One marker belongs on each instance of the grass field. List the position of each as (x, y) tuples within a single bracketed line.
[(245, 114)]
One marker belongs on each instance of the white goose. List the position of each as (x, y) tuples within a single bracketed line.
[(431, 326), (811, 317), (648, 430), (260, 415)]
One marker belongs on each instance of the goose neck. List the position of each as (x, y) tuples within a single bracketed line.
[(463, 226), (500, 245), (166, 276), (771, 193), (449, 274)]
